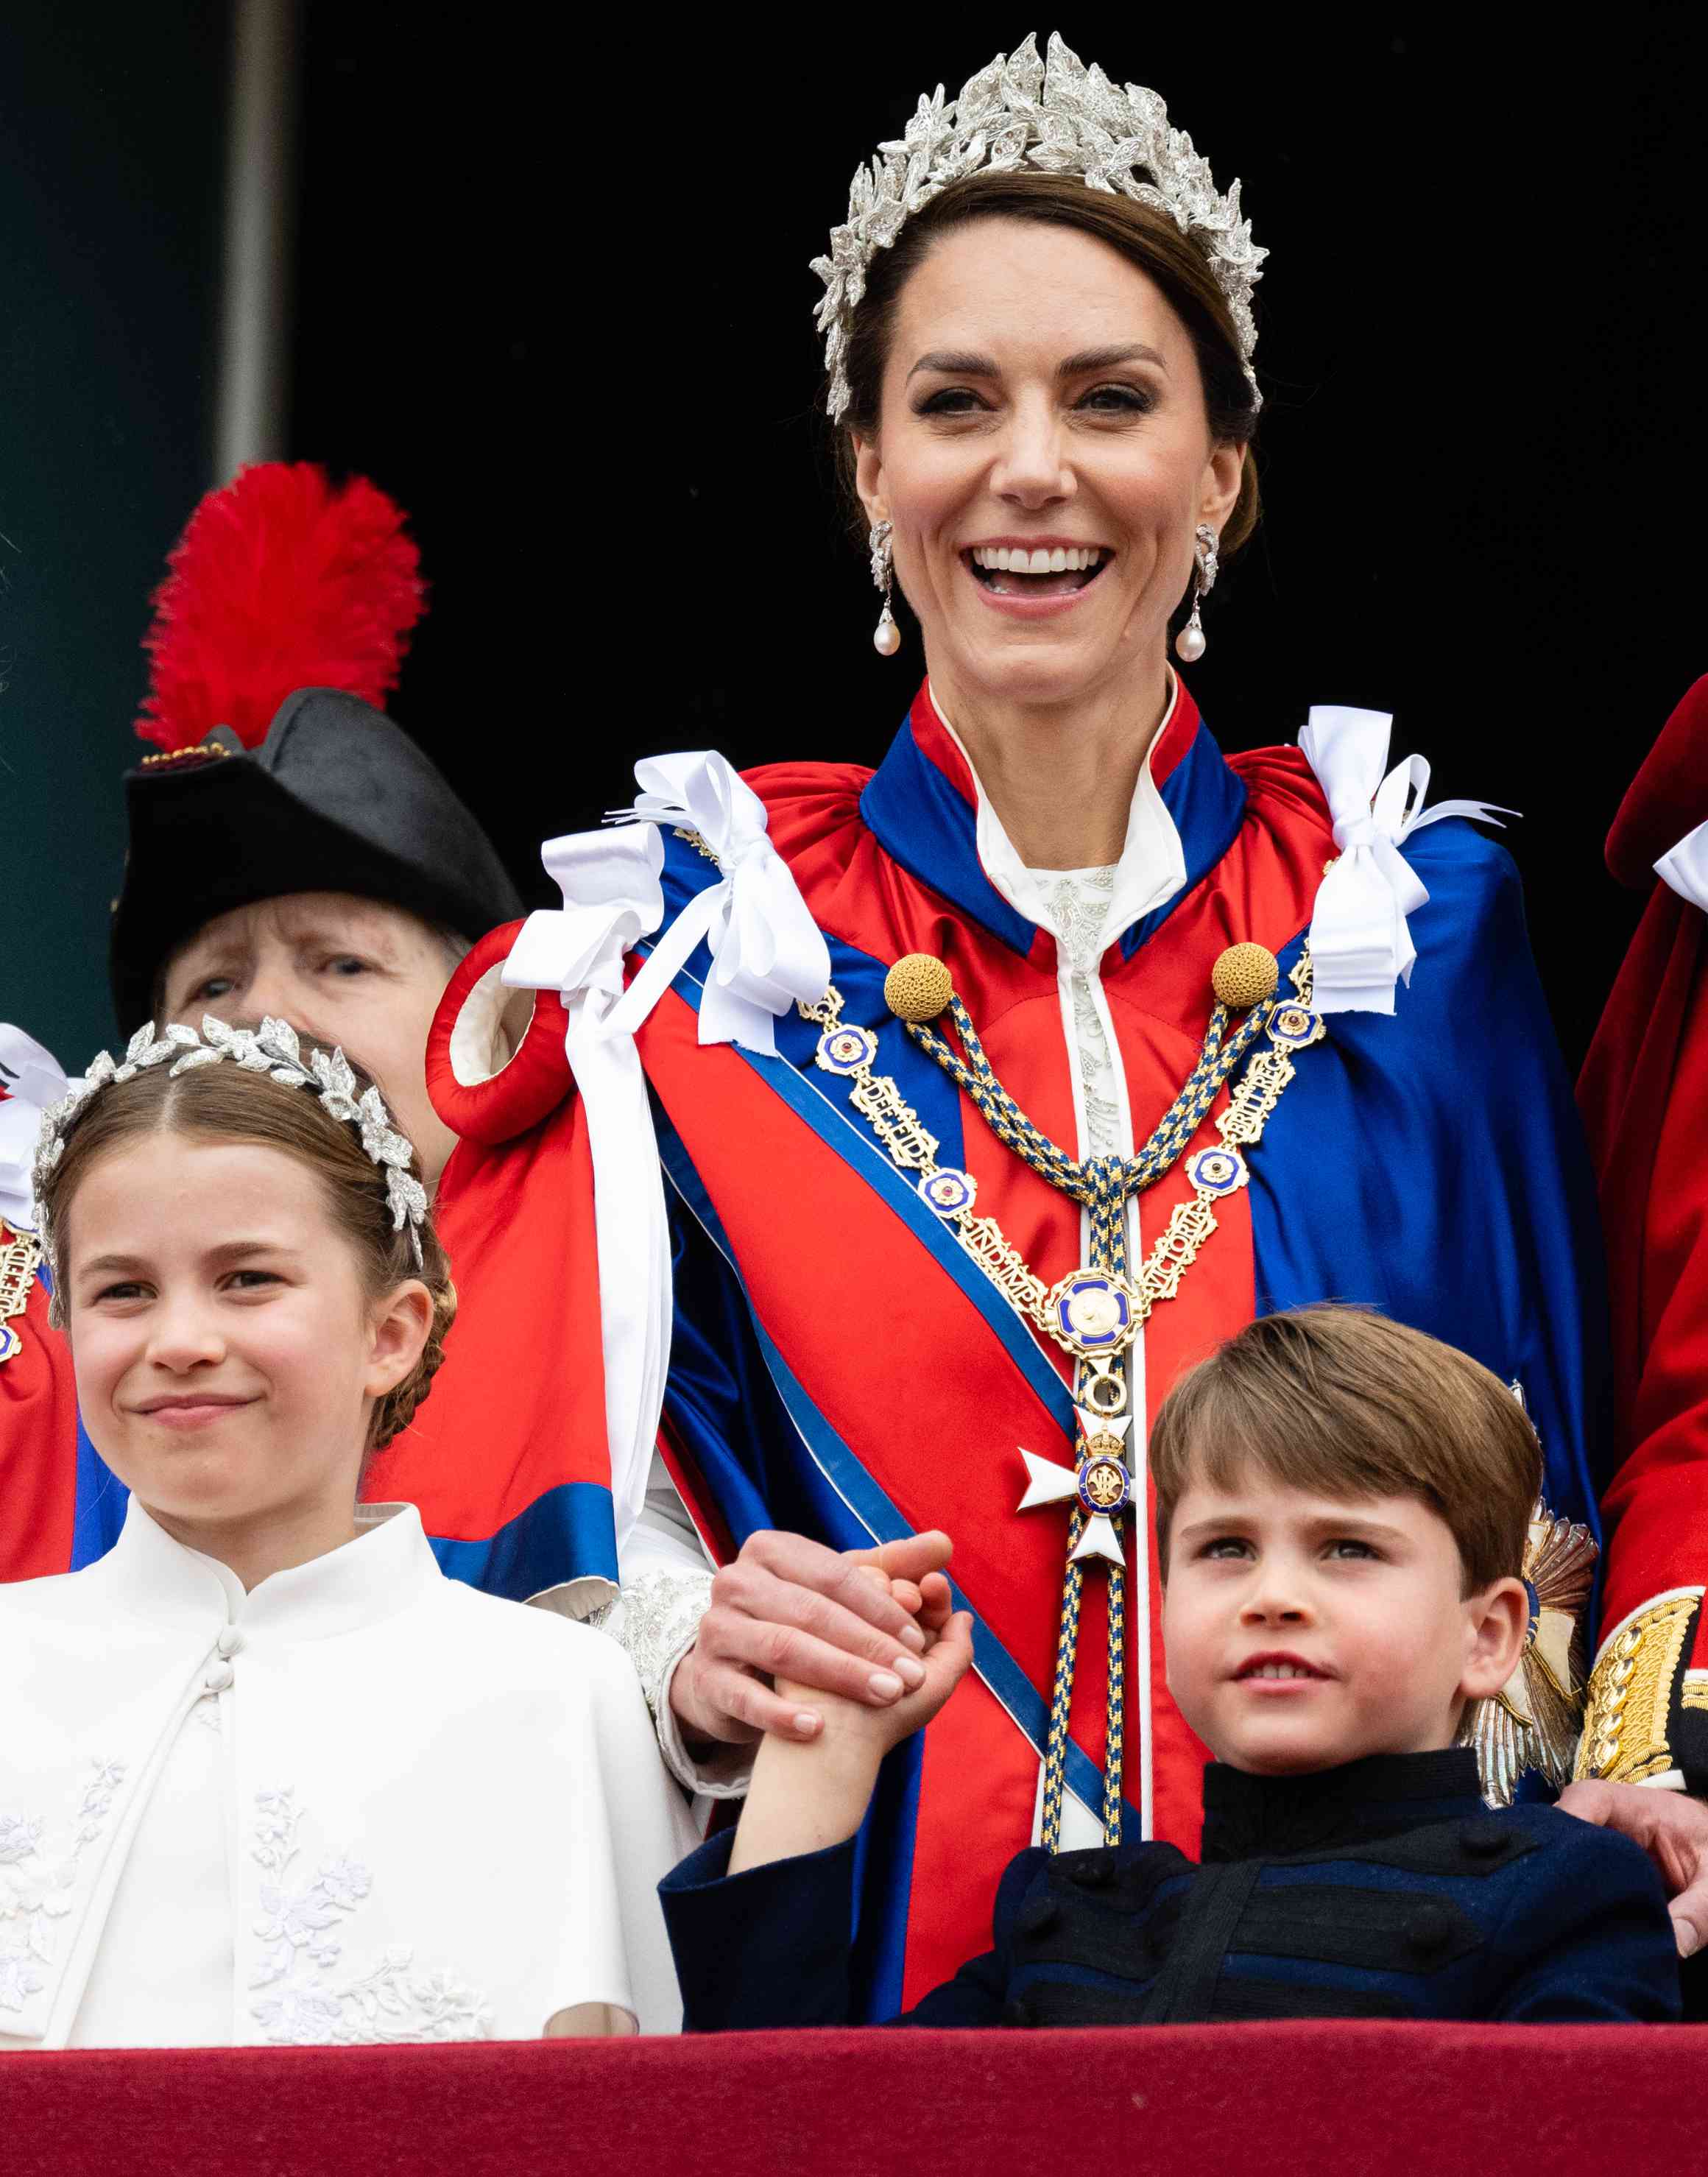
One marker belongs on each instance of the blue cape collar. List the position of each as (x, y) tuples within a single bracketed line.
[(921, 804)]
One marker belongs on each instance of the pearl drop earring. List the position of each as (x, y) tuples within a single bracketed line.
[(1189, 643), (886, 636)]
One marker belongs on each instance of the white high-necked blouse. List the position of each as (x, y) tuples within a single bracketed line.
[(362, 1802)]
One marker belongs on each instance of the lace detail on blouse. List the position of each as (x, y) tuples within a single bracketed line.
[(1079, 901), (392, 2001), (36, 1885)]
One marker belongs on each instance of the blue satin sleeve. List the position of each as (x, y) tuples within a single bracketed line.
[(1432, 1164)]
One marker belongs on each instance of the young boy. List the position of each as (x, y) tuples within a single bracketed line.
[(1341, 1509)]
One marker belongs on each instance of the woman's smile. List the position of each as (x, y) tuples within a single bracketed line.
[(1035, 577)]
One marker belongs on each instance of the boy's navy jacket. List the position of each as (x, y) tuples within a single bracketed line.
[(1382, 1889)]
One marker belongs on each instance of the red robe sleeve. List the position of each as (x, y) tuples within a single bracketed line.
[(1643, 1095), (38, 1426), (507, 1458)]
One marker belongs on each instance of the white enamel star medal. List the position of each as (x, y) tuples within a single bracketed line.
[(1101, 1483)]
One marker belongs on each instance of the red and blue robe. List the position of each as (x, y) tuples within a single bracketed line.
[(841, 1368)]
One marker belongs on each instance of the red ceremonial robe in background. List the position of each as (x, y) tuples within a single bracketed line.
[(1644, 1093)]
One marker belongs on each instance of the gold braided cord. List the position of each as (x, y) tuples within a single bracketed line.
[(1104, 1187)]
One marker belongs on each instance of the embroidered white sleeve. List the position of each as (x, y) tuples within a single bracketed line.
[(655, 1621)]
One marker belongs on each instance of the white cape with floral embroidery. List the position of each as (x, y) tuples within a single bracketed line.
[(362, 1803)]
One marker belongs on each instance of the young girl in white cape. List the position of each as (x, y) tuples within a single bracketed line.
[(266, 1775)]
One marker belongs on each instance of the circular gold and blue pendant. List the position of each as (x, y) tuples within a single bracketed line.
[(845, 1049), (948, 1191), (1103, 1483), (1093, 1313), (10, 1342), (1293, 1026), (1218, 1172)]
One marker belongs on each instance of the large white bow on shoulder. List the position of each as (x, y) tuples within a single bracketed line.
[(33, 1078), (1360, 945), (766, 951)]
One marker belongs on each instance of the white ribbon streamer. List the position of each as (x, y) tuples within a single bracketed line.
[(612, 899), (1684, 868), (33, 1078), (1360, 945), (766, 952)]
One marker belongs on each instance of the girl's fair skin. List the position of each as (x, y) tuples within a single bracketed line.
[(1040, 390), (1301, 1632), (226, 1354)]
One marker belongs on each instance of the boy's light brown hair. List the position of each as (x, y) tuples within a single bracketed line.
[(1348, 1403)]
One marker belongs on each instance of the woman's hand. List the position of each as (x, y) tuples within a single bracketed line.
[(1673, 1829), (947, 1656), (789, 1608)]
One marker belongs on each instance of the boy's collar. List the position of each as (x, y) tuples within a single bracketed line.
[(1248, 1817)]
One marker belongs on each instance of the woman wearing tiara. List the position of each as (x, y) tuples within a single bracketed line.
[(993, 1088), (266, 1774)]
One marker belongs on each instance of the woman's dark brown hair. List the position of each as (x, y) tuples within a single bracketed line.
[(228, 1103), (1145, 237)]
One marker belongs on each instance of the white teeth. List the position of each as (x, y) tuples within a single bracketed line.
[(1279, 1670), (1017, 559)]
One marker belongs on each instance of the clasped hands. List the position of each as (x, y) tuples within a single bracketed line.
[(792, 1624)]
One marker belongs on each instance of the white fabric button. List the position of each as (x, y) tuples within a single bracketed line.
[(230, 1640), (219, 1676)]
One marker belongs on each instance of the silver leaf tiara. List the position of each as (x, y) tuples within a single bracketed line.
[(274, 1049), (1062, 118)]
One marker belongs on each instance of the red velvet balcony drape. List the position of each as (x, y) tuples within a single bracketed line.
[(1324, 2099)]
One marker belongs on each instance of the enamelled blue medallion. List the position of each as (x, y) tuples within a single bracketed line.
[(10, 1342), (845, 1049), (1293, 1026), (1093, 1311), (949, 1191), (1218, 1172), (1104, 1484)]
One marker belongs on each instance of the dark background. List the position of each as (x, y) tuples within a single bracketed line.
[(557, 301)]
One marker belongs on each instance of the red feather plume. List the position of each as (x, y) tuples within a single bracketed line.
[(281, 581)]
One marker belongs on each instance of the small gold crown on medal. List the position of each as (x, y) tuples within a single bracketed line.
[(1062, 118)]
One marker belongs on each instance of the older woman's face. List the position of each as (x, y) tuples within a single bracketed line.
[(343, 970), (1041, 396)]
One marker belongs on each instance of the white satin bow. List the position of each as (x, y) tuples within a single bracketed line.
[(1360, 945), (33, 1078), (1684, 868), (766, 951)]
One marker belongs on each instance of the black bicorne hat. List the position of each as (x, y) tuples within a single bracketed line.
[(280, 628), (335, 799)]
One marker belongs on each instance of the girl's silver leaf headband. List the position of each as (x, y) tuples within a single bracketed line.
[(275, 1049)]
